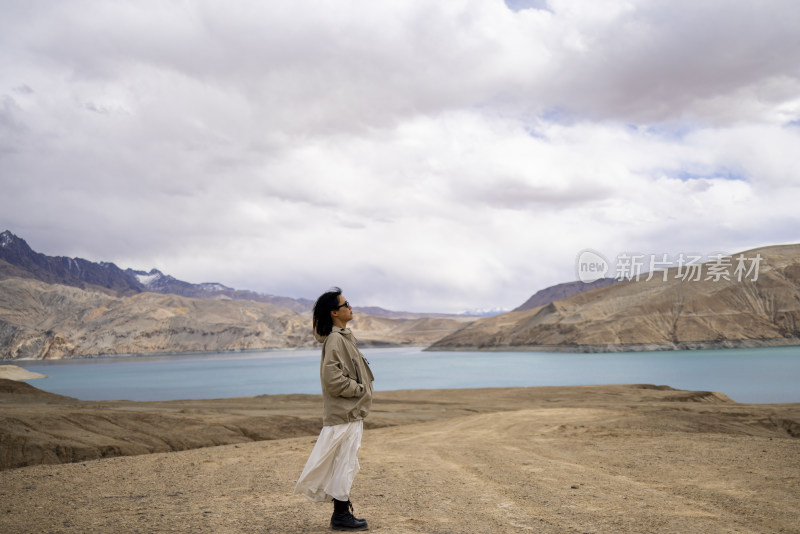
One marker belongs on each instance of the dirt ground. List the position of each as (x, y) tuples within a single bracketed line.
[(599, 459)]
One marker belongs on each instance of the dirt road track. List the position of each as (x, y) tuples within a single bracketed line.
[(614, 459)]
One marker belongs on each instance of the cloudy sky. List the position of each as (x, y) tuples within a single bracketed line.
[(425, 156)]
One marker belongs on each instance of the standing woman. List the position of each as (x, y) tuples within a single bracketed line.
[(347, 397)]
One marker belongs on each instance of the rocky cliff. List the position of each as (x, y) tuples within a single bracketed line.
[(763, 308)]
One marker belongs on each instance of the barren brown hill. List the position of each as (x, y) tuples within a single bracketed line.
[(561, 291), (49, 321), (657, 314), (44, 321), (38, 427)]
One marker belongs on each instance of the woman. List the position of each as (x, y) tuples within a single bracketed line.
[(347, 397)]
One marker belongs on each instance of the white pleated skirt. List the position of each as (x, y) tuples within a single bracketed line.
[(333, 464)]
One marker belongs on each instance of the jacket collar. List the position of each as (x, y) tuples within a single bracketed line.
[(343, 331)]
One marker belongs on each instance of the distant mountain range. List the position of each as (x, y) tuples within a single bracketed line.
[(157, 282), (58, 307), (107, 277), (22, 261)]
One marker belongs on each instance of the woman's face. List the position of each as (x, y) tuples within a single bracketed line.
[(344, 312)]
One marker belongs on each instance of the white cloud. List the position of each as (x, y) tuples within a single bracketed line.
[(432, 156)]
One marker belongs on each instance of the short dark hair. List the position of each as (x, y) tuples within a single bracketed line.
[(326, 303)]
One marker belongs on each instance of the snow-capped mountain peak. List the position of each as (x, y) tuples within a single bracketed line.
[(6, 238), (147, 279)]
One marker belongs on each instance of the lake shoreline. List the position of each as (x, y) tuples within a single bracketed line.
[(568, 349), (631, 347), (763, 374)]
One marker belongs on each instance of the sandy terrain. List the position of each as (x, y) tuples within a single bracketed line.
[(574, 459), (15, 372)]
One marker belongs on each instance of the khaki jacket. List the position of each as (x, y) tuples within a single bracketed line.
[(345, 377)]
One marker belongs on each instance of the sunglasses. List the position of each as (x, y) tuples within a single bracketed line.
[(340, 305)]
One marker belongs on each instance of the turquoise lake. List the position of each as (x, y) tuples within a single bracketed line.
[(763, 375)]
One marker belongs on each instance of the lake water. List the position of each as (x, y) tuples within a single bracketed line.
[(763, 375)]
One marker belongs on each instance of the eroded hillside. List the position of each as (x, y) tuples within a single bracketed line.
[(658, 314)]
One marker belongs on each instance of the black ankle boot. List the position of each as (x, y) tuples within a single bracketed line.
[(343, 518)]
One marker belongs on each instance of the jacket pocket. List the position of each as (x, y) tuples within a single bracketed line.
[(370, 377)]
